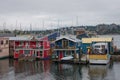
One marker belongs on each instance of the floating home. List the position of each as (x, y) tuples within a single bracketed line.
[(80, 33), (11, 46), (50, 37), (4, 47), (31, 48), (97, 49), (5, 38), (67, 47)]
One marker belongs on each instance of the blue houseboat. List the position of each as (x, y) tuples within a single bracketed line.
[(67, 47)]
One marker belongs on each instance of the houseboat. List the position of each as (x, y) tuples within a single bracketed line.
[(31, 48), (98, 49), (81, 33), (11, 47), (5, 43), (67, 48), (4, 47), (50, 38)]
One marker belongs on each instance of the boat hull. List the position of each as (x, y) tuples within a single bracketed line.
[(99, 61)]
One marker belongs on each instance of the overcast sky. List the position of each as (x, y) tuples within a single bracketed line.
[(14, 13)]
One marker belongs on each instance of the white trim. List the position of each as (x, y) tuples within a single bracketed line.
[(69, 37)]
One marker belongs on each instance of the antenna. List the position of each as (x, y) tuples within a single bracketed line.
[(16, 24), (72, 22), (43, 24), (76, 20), (30, 28), (4, 26), (20, 27), (58, 26)]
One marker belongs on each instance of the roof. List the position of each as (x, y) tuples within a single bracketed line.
[(48, 35), (18, 38), (90, 40), (69, 37), (100, 44), (7, 35), (86, 40), (25, 38)]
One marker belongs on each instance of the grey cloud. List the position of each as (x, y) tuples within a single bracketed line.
[(33, 11)]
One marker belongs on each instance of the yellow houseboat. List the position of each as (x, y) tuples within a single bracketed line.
[(99, 49), (100, 54)]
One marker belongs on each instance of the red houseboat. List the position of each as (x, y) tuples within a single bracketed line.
[(26, 48)]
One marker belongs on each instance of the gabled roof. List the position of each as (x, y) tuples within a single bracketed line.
[(69, 37), (90, 40), (23, 38)]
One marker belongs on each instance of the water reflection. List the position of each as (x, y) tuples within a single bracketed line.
[(97, 72), (32, 70), (47, 70)]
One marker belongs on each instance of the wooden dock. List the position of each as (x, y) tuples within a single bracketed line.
[(27, 58), (70, 61)]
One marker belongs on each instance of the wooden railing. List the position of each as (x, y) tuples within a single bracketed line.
[(66, 47), (28, 47)]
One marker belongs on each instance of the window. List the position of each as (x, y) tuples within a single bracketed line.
[(0, 50), (6, 41), (97, 46), (2, 42), (65, 43), (26, 52), (79, 44), (68, 53), (40, 51), (37, 53), (21, 43), (17, 51), (40, 54)]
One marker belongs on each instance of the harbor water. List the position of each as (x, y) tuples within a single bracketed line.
[(47, 70)]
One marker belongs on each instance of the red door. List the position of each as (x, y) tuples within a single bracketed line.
[(60, 55), (16, 55)]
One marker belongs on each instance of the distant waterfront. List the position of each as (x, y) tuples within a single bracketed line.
[(115, 37)]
